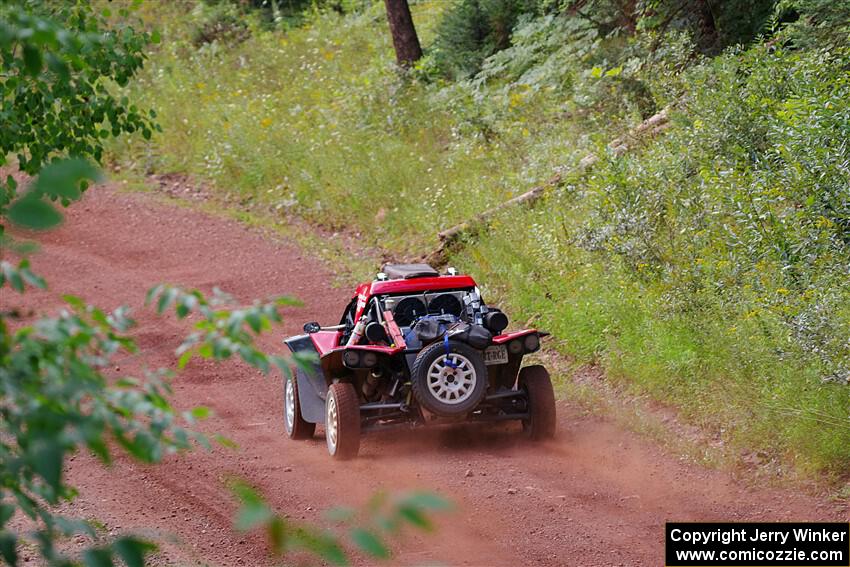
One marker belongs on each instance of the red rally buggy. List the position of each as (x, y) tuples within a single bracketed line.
[(415, 347)]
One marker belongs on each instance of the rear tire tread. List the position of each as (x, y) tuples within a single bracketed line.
[(543, 422)]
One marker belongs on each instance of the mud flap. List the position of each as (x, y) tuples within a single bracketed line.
[(312, 386)]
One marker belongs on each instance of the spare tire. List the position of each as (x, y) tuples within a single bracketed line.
[(449, 384)]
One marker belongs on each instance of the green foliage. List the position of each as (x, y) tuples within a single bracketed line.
[(221, 22), (55, 396), (814, 23), (59, 63), (472, 30), (352, 140), (708, 269), (226, 21), (62, 180), (58, 397), (367, 529), (222, 333), (713, 25), (56, 400), (18, 277)]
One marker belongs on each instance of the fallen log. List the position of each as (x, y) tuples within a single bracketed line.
[(650, 127)]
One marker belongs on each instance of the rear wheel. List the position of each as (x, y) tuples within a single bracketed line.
[(342, 421), (542, 422), (449, 380), (295, 425)]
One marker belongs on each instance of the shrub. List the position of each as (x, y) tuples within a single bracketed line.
[(814, 23), (219, 22), (472, 30)]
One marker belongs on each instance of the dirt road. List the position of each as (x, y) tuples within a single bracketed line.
[(597, 495)]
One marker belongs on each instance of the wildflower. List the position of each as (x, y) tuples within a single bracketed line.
[(823, 222)]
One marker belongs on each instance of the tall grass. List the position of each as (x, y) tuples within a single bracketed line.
[(708, 269), (317, 122)]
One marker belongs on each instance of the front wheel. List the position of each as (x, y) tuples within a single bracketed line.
[(295, 425), (541, 423), (342, 421)]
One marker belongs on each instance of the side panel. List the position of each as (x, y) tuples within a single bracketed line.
[(505, 337), (324, 341), (312, 386)]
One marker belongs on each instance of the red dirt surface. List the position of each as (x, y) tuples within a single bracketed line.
[(597, 495)]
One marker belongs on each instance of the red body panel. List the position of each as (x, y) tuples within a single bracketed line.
[(503, 338), (421, 284), (365, 291), (325, 341), (376, 348)]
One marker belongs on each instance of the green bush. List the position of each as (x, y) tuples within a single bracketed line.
[(472, 30), (220, 22), (708, 270), (814, 23)]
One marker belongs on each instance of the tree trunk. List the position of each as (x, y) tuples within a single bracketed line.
[(405, 40), (628, 16), (708, 25)]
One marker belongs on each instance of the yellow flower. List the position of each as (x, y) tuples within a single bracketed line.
[(782, 291), (823, 222), (266, 122)]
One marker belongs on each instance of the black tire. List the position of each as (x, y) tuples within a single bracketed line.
[(542, 421), (342, 421), (294, 424), (467, 398)]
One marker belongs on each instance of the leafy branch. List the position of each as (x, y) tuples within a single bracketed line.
[(366, 529), (224, 330), (56, 399)]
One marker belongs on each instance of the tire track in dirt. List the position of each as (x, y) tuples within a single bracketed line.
[(597, 495)]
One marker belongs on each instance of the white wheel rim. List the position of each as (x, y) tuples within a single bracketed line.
[(332, 424), (451, 385), (289, 405)]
